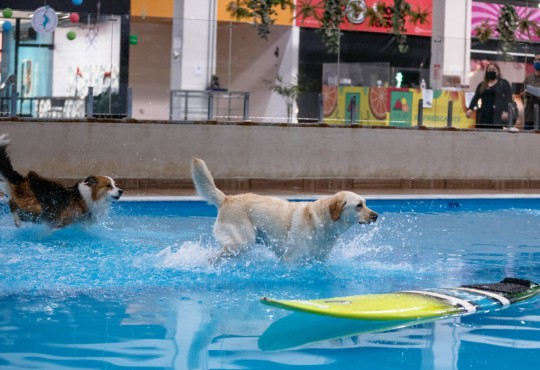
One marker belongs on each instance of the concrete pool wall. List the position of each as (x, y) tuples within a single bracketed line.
[(249, 156)]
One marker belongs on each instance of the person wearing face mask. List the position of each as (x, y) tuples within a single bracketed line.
[(491, 99), (529, 99)]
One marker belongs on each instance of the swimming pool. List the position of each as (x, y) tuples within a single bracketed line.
[(138, 292)]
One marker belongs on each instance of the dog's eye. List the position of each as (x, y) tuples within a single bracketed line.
[(359, 206), (109, 186)]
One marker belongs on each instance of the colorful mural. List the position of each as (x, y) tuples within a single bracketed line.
[(387, 106)]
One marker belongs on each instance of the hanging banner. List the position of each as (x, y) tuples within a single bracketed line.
[(358, 21)]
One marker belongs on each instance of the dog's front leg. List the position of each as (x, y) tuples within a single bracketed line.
[(16, 219), (14, 209), (234, 239), (224, 254)]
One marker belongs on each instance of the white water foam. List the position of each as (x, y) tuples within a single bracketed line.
[(189, 255)]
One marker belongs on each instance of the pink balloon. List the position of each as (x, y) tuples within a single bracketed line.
[(74, 17)]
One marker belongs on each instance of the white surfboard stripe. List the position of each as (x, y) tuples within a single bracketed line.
[(468, 306), (503, 300)]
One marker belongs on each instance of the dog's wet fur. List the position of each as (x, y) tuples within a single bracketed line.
[(33, 198), (293, 230)]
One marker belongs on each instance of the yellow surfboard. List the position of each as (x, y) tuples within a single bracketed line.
[(416, 304)]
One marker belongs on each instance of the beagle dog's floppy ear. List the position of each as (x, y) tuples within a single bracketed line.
[(91, 181), (336, 207)]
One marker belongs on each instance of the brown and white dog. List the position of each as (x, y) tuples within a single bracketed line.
[(33, 198), (293, 230)]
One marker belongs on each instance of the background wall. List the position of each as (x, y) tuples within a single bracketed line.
[(244, 61), (87, 60), (150, 67), (361, 155)]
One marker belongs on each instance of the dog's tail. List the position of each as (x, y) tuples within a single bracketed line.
[(204, 183), (6, 169)]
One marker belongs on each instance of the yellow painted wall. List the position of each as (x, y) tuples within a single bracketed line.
[(152, 8), (284, 17), (165, 9)]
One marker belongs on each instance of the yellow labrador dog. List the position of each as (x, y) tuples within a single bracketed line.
[(293, 230)]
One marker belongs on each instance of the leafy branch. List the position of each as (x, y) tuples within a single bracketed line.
[(395, 17), (508, 25), (289, 91), (331, 14), (262, 12)]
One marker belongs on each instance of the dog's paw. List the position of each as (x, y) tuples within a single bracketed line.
[(223, 255)]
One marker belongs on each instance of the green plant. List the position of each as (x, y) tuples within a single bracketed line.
[(287, 90), (508, 24), (394, 17), (525, 25), (484, 31), (330, 14), (330, 22), (261, 11), (108, 103)]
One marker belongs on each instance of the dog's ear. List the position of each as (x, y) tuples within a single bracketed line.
[(336, 207), (91, 181)]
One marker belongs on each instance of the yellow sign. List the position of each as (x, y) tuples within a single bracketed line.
[(152, 8), (386, 106)]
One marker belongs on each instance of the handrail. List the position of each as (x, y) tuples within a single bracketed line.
[(224, 105)]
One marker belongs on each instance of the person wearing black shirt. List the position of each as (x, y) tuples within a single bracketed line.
[(491, 99)]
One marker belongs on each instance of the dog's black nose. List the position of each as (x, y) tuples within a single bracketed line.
[(120, 192), (373, 216)]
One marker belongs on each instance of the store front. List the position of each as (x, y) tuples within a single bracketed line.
[(55, 55)]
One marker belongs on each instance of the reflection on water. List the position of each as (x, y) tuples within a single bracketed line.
[(165, 329), (139, 292)]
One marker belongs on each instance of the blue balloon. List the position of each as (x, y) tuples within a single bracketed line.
[(6, 26), (77, 2)]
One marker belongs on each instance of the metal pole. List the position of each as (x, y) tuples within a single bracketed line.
[(450, 112), (321, 113), (90, 103), (210, 106), (510, 115), (186, 105), (420, 112), (171, 102), (13, 108), (246, 106), (536, 110), (352, 110), (129, 103)]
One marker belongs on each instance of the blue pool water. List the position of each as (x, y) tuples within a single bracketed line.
[(137, 292)]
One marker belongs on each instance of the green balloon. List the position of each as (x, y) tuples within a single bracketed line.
[(71, 35), (7, 13)]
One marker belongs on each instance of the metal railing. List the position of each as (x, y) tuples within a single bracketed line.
[(222, 105), (352, 110), (56, 107)]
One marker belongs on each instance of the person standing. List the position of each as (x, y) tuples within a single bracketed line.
[(530, 100), (491, 98)]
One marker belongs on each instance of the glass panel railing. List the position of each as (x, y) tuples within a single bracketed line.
[(188, 69)]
